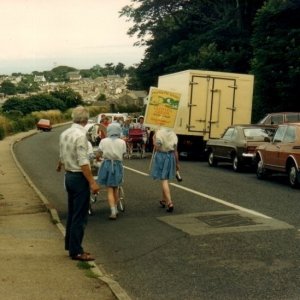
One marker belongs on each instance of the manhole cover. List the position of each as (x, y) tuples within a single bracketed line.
[(226, 220), (219, 222)]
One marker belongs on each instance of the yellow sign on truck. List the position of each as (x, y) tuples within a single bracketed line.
[(210, 102), (162, 108)]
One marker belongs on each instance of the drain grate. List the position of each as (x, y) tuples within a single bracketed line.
[(220, 222), (226, 220)]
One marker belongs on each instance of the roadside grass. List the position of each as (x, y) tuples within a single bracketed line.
[(4, 127), (11, 123), (55, 116), (88, 269)]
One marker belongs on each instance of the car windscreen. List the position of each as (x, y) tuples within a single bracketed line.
[(44, 121), (255, 133)]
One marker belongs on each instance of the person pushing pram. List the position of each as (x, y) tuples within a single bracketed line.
[(137, 138)]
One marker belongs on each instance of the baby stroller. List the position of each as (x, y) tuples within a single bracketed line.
[(137, 139), (92, 135)]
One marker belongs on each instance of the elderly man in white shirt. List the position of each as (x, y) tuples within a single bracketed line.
[(79, 181)]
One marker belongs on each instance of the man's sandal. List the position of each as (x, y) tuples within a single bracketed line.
[(83, 257)]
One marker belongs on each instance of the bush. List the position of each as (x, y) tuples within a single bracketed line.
[(96, 110), (55, 116), (29, 122), (14, 122), (23, 124), (129, 108), (4, 127), (2, 133)]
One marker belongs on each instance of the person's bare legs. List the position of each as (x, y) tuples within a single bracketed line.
[(166, 193), (112, 201), (143, 149), (116, 196), (129, 149)]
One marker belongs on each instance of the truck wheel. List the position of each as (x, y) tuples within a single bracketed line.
[(236, 164), (211, 159), (260, 170), (293, 176)]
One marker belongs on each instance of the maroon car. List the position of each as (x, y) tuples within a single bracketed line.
[(282, 155)]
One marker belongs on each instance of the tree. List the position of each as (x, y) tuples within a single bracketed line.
[(109, 69), (87, 73), (97, 70), (33, 103), (69, 97), (8, 88), (276, 64), (179, 33), (101, 97), (13, 104), (27, 84), (43, 102), (120, 69), (57, 74)]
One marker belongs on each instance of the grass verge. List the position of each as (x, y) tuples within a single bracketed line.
[(88, 269)]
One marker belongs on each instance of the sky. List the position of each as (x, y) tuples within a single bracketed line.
[(38, 35)]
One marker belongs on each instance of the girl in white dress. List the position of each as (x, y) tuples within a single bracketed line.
[(112, 149)]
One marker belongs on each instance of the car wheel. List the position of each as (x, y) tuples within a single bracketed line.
[(236, 164), (293, 176), (211, 159), (260, 170)]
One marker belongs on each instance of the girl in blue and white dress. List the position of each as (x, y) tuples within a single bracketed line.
[(112, 149), (165, 163)]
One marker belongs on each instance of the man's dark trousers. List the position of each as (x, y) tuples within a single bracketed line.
[(78, 204)]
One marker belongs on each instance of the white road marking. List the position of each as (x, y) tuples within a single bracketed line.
[(136, 171), (250, 211), (223, 202)]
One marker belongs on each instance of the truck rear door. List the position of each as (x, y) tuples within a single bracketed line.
[(211, 105)]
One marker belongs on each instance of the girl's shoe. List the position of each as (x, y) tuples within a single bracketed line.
[(170, 207), (113, 217), (162, 203)]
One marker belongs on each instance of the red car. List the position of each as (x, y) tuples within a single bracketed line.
[(282, 155), (44, 124)]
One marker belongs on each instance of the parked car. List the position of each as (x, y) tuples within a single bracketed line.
[(237, 145), (44, 124), (280, 118), (282, 155)]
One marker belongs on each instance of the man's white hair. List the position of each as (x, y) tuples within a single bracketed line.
[(80, 114)]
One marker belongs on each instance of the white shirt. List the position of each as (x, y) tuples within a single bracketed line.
[(112, 148), (166, 140), (73, 148)]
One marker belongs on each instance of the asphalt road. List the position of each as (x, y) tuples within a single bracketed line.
[(231, 236)]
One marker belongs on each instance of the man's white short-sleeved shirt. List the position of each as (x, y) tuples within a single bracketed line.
[(73, 146)]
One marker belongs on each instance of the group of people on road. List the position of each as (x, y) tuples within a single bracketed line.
[(79, 180), (98, 132)]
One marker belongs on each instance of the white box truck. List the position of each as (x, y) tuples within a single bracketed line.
[(210, 102)]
